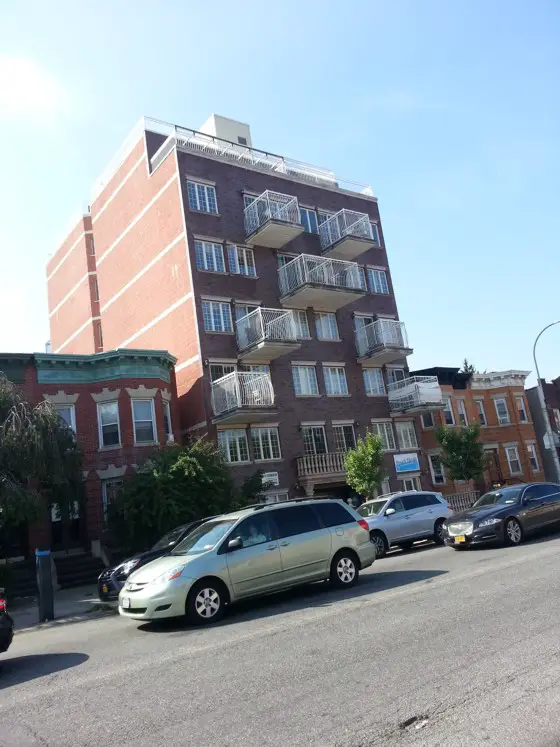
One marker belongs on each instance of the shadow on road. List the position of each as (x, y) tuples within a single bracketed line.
[(20, 669), (312, 595)]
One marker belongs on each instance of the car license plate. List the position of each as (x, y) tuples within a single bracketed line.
[(125, 603), (105, 589), (459, 538)]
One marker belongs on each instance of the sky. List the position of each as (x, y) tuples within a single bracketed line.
[(450, 110)]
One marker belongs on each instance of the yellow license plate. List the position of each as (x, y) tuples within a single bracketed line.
[(460, 538), (105, 589)]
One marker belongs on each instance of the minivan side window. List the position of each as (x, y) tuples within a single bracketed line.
[(333, 514), (253, 531), (295, 520), (415, 501)]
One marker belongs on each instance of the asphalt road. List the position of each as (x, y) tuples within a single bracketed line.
[(432, 647)]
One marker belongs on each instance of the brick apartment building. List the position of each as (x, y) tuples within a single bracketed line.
[(551, 392), (268, 280), (120, 404), (498, 403)]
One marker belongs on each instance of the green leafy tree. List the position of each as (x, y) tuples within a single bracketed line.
[(365, 466), (468, 368), (462, 453), (176, 485)]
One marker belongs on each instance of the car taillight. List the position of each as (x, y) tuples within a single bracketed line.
[(3, 606), (363, 523)]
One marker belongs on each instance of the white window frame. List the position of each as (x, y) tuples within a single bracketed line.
[(202, 204), (384, 428), (377, 281), (154, 440), (305, 221), (248, 199), (278, 497), (448, 408), (256, 367), (443, 480), (410, 483), (100, 406), (326, 326), (515, 449), (312, 391), (311, 441), (264, 434), (395, 374), (533, 456), (246, 308), (231, 438), (72, 409), (427, 427), (209, 250), (302, 324), (462, 413), (338, 428), (502, 421), (241, 261), (519, 398), (167, 415), (233, 367), (481, 410), (104, 498), (374, 376), (406, 435), (335, 375), (224, 316)]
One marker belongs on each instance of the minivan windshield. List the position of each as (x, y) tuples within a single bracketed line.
[(203, 538), (498, 497), (371, 509)]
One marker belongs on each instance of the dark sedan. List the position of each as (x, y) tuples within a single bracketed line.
[(505, 515), (111, 580)]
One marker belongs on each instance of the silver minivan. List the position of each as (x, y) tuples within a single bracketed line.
[(258, 550)]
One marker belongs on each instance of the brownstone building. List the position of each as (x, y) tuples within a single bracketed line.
[(547, 430), (268, 280)]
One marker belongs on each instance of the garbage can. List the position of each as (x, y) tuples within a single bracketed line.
[(45, 585)]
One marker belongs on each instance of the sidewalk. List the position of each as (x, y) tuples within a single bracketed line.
[(70, 605)]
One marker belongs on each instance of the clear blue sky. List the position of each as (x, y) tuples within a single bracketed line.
[(451, 110)]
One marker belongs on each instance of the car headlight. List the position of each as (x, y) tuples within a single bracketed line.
[(129, 566), (489, 522), (169, 575)]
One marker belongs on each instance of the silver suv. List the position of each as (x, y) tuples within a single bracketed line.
[(258, 550), (403, 518)]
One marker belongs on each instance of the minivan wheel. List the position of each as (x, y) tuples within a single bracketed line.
[(513, 533), (439, 532), (344, 570), (380, 542), (206, 602)]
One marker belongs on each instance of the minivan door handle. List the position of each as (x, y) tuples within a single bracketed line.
[(284, 544), (270, 548)]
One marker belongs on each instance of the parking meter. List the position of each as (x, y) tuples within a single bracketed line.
[(45, 585)]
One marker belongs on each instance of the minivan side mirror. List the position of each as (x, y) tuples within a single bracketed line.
[(390, 512), (235, 544)]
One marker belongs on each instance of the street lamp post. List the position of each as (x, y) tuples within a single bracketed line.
[(548, 427)]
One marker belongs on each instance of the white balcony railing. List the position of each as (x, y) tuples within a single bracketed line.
[(416, 392), (332, 273), (380, 334), (266, 325), (313, 465), (271, 206), (344, 223), (242, 389)]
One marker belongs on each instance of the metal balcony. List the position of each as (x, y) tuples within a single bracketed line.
[(415, 394), (383, 341), (242, 397), (265, 334), (272, 220), (326, 284), (346, 235)]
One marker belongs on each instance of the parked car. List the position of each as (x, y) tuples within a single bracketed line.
[(505, 515), (111, 580), (6, 625), (257, 550), (403, 518)]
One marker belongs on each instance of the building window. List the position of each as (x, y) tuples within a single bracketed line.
[(202, 197), (67, 413), (323, 215), (344, 438), (377, 280), (481, 412), (395, 374), (242, 261), (242, 310), (308, 219), (521, 409), (256, 368), (314, 439), (335, 380), (406, 435), (410, 483), (502, 411), (373, 381), (108, 421), (462, 412), (284, 259), (448, 416), (374, 231), (233, 446), (209, 256), (385, 430), (275, 497), (428, 420), (305, 381), (266, 444), (99, 335), (92, 246), (248, 199), (167, 426), (217, 316), (217, 370), (512, 456), (95, 287), (436, 469), (533, 457), (325, 326), (109, 491), (144, 421), (302, 324)]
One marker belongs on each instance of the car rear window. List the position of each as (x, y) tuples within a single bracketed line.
[(295, 520), (333, 514)]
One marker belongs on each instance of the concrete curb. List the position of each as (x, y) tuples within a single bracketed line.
[(97, 611)]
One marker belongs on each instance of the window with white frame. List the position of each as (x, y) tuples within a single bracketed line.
[(109, 491), (385, 488), (410, 483), (344, 437), (436, 469), (481, 412), (323, 215), (395, 374), (217, 370), (361, 321), (248, 199), (233, 445), (242, 261), (406, 435), (308, 218), (266, 444), (385, 431), (462, 412), (217, 316), (302, 324), (428, 420), (167, 425), (209, 256), (305, 381), (521, 409), (108, 422), (283, 259), (256, 367), (275, 497), (533, 457), (512, 456), (502, 410), (373, 381), (448, 416), (202, 197), (314, 439), (242, 309), (335, 380), (374, 231), (67, 413), (377, 281), (144, 421), (325, 326)]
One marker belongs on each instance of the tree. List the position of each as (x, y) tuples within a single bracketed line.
[(463, 454), (176, 485), (468, 368), (365, 466)]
